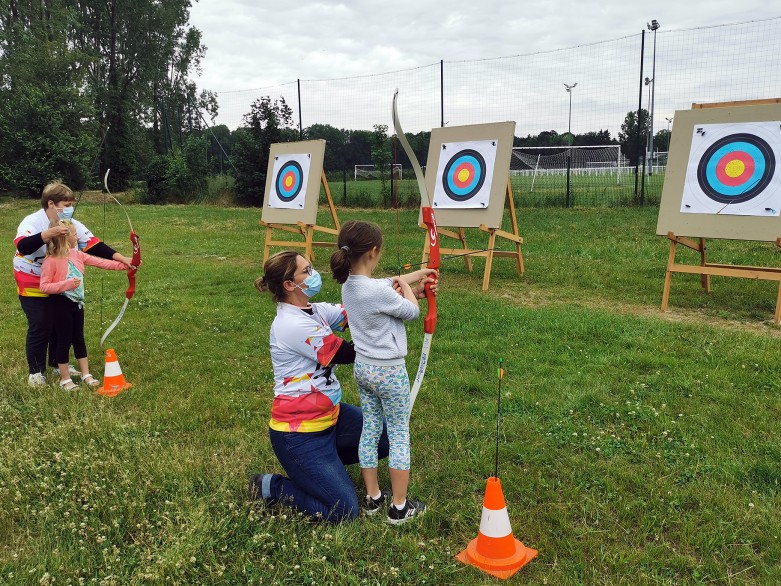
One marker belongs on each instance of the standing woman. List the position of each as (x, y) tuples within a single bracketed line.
[(32, 236), (314, 435)]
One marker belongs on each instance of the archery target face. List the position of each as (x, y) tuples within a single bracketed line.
[(290, 176), (464, 174), (733, 169)]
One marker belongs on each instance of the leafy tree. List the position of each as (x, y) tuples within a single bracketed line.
[(336, 149), (220, 145), (42, 105), (633, 135), (419, 143), (179, 175), (594, 138), (662, 141), (266, 123), (142, 52), (381, 155)]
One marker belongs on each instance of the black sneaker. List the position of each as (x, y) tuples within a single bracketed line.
[(411, 510), (256, 489), (371, 505)]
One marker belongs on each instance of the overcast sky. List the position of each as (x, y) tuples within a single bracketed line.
[(255, 44)]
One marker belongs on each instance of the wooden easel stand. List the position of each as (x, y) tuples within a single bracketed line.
[(489, 253), (303, 229), (706, 269)]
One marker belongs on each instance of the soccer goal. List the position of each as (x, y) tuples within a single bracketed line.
[(597, 160), (371, 172)]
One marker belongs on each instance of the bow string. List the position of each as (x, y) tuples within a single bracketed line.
[(135, 262)]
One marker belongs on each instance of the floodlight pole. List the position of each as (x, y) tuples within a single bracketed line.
[(649, 81), (669, 121), (569, 137), (653, 26)]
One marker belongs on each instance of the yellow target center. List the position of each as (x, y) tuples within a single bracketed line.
[(288, 181), (735, 168), (463, 175)]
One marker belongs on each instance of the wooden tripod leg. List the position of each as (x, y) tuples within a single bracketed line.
[(514, 221), (489, 259), (668, 275), (777, 318), (267, 246), (467, 258), (310, 251), (704, 279)]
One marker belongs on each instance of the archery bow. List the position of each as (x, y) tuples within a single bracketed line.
[(135, 262), (427, 213)]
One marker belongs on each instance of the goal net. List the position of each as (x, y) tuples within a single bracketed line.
[(372, 172), (602, 160)]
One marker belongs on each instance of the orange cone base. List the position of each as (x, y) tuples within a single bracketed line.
[(114, 390), (502, 567)]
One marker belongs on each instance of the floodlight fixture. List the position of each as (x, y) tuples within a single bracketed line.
[(653, 25)]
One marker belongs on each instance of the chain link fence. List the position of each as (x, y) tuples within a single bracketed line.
[(655, 71)]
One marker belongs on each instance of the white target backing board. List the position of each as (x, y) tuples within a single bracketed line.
[(472, 164), (464, 181), (723, 177), (733, 170), (293, 182)]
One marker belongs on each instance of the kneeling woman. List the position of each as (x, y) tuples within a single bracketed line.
[(313, 434)]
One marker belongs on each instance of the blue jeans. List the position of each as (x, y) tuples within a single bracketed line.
[(317, 483)]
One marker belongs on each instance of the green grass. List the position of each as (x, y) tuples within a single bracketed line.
[(636, 447)]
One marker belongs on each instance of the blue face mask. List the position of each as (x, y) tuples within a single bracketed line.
[(311, 284), (66, 214)]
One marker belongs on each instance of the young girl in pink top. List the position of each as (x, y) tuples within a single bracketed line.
[(63, 272)]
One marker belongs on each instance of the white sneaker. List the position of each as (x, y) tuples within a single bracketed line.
[(36, 380)]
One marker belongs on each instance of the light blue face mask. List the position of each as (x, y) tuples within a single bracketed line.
[(312, 284), (66, 214)]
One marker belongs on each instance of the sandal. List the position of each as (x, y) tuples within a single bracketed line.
[(90, 380), (68, 385)]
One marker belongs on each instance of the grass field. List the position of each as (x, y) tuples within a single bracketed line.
[(636, 447)]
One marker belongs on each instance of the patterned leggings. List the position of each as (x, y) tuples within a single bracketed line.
[(384, 390)]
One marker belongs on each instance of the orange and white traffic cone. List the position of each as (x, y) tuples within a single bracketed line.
[(495, 550), (113, 379)]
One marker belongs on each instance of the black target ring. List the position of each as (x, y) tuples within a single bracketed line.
[(289, 181), (474, 164), (743, 144)]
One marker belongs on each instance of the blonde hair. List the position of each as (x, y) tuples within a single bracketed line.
[(56, 191), (277, 269), (59, 246)]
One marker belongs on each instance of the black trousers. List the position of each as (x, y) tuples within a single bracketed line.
[(39, 332), (68, 320)]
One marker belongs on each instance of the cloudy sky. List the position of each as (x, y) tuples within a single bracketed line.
[(255, 44)]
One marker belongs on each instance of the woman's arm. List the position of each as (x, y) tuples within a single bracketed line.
[(344, 355), (102, 263)]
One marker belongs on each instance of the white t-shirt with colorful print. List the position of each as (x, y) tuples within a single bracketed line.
[(306, 392)]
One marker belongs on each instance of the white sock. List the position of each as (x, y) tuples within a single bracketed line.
[(374, 498), (401, 506)]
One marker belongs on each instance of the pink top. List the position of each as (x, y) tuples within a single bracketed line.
[(54, 272)]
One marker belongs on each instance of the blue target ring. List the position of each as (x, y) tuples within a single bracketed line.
[(736, 168), (464, 175), (289, 181)]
